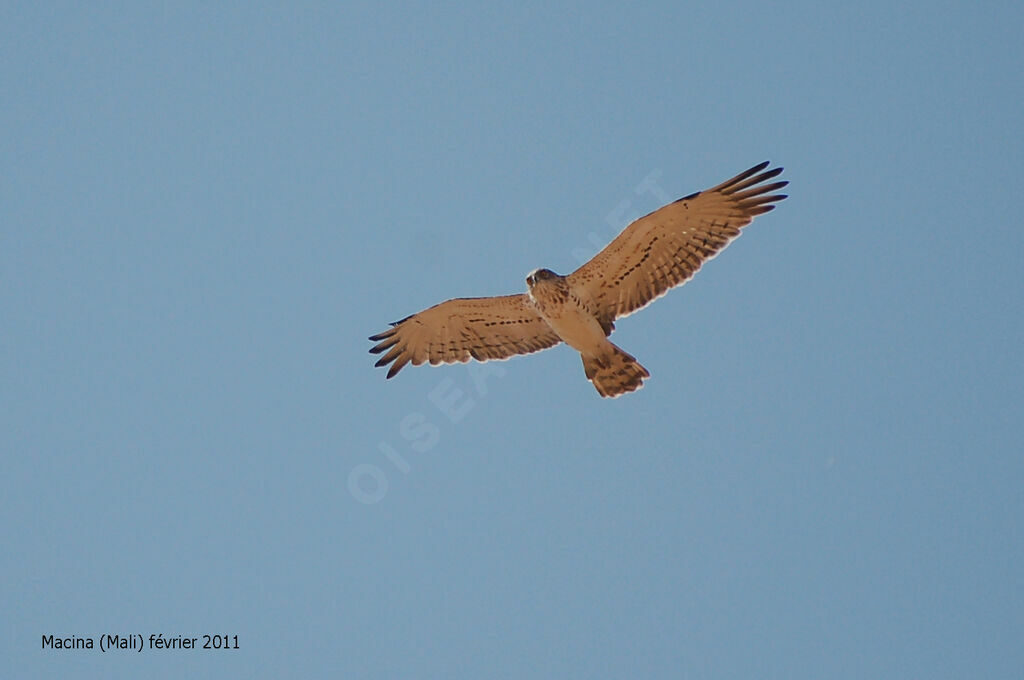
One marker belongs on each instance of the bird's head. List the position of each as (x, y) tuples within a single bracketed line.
[(538, 275)]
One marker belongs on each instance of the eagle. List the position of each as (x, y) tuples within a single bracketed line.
[(656, 252)]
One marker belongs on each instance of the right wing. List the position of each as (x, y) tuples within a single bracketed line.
[(463, 328)]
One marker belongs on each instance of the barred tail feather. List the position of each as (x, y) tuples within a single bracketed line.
[(614, 372)]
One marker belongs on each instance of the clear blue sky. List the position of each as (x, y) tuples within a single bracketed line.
[(206, 209)]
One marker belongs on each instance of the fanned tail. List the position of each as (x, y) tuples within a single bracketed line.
[(614, 372)]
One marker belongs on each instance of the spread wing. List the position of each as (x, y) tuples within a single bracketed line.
[(666, 248), (481, 328)]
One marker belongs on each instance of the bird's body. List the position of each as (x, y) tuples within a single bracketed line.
[(655, 253), (571, 314)]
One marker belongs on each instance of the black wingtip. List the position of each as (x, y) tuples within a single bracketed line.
[(383, 336)]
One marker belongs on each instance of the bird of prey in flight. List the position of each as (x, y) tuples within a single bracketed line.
[(653, 254)]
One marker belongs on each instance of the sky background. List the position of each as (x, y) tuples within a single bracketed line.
[(205, 209)]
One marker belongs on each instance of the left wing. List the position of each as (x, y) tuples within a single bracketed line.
[(456, 330), (666, 248)]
